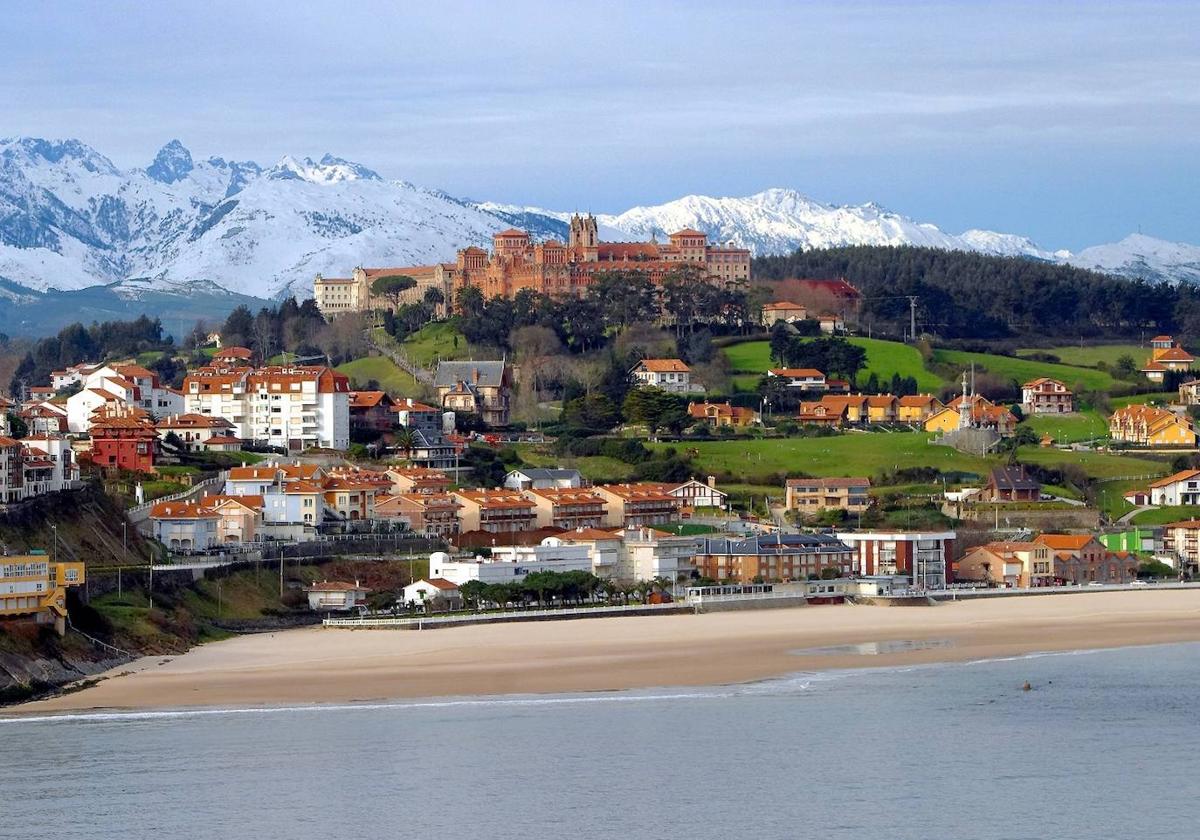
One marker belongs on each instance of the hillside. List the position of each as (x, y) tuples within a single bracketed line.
[(979, 296)]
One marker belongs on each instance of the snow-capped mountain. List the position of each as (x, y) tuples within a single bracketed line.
[(1143, 256), (70, 219)]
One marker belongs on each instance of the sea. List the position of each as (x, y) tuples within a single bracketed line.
[(1103, 744)]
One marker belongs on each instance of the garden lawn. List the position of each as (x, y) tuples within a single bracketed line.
[(384, 371), (884, 358), (1024, 370), (1167, 515), (1069, 428), (1092, 356)]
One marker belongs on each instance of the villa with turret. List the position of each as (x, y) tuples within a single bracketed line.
[(516, 262)]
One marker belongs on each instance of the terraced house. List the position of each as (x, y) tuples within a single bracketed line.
[(1148, 425), (812, 495)]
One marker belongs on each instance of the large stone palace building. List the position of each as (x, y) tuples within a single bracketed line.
[(553, 268)]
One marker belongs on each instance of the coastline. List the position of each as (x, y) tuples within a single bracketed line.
[(314, 665)]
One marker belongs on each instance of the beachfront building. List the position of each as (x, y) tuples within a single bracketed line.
[(291, 406), (433, 593), (813, 495), (648, 554), (1081, 558), (925, 557), (1008, 564), (482, 388), (636, 505), (1181, 488), (33, 587), (773, 557), (1046, 396), (509, 564), (1181, 540), (336, 596), (670, 375)]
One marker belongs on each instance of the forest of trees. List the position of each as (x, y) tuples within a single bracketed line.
[(969, 295)]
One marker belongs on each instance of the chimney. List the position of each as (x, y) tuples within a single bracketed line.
[(475, 375), (712, 481)]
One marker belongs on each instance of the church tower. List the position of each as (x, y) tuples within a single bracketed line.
[(584, 236)]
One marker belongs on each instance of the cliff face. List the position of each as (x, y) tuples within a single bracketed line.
[(35, 661)]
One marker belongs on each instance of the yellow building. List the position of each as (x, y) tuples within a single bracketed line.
[(917, 408), (30, 585), (1151, 426)]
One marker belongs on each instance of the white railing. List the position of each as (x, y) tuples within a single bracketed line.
[(474, 618), (700, 600), (183, 494)]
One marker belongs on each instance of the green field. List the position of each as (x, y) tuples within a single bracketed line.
[(1167, 515), (1092, 356), (384, 371), (1069, 428), (884, 358), (865, 454), (1096, 464), (1023, 370), (1155, 398)]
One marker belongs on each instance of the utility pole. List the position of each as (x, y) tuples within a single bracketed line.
[(912, 318)]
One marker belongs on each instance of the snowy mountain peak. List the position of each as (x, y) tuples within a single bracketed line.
[(35, 151), (172, 163), (329, 170), (1148, 257)]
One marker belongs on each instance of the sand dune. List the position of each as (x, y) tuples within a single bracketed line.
[(322, 666)]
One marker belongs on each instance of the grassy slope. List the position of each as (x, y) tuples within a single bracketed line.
[(391, 378), (1024, 370), (1092, 356), (1167, 515), (884, 358), (439, 340)]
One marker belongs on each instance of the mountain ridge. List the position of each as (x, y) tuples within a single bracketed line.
[(70, 219)]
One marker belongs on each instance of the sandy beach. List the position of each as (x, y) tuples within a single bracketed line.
[(327, 666)]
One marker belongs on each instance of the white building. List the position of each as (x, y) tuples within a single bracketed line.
[(1182, 488), (128, 385), (700, 494), (668, 374), (924, 556), (293, 407), (512, 563), (337, 596), (648, 554), (541, 478), (186, 526), (423, 591)]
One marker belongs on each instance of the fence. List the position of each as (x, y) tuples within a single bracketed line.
[(183, 494), (423, 622)]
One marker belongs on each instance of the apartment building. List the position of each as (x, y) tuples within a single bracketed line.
[(1008, 564), (418, 480), (429, 514), (1046, 396), (497, 511), (924, 556), (636, 505), (295, 407), (31, 585), (773, 557), (567, 508), (812, 495)]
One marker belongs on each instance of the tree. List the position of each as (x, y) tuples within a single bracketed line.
[(392, 287), (238, 328), (655, 408), (535, 347), (686, 295), (1126, 368), (591, 411), (405, 439)]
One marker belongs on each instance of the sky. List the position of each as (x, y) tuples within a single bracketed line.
[(1072, 123)]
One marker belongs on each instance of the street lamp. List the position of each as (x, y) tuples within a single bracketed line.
[(54, 528)]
